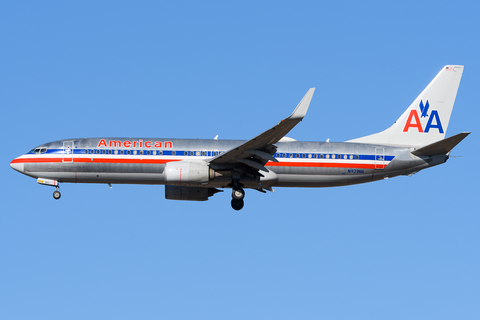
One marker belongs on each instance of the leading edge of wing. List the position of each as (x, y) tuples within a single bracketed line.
[(269, 137)]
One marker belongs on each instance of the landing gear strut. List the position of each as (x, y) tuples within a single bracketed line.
[(56, 193), (237, 198)]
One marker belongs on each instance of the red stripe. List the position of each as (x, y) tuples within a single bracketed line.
[(163, 161), (90, 160)]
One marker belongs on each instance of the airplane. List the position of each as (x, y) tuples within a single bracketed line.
[(196, 169)]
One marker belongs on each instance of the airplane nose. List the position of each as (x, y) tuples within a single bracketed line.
[(18, 166)]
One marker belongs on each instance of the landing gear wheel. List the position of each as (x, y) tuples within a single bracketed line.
[(238, 194), (56, 195), (237, 204)]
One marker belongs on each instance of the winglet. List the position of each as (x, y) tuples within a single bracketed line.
[(301, 109)]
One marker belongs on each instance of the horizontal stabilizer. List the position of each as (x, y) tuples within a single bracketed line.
[(442, 146)]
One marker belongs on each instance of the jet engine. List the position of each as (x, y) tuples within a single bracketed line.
[(184, 173)]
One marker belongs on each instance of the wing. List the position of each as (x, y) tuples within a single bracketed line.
[(257, 151)]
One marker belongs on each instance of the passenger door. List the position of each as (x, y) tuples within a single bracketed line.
[(379, 158), (67, 151)]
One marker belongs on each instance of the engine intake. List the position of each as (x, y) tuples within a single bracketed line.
[(179, 173)]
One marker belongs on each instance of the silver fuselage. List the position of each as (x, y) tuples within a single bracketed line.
[(142, 161)]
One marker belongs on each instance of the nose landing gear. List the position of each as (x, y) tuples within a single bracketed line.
[(54, 183), (56, 193)]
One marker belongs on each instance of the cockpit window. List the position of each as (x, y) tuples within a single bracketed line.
[(38, 150)]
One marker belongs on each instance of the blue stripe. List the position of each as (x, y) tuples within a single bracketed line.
[(182, 153)]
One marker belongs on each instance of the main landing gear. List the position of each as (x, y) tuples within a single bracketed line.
[(237, 198), (56, 193)]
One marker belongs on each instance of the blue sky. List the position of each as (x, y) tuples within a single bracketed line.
[(404, 248)]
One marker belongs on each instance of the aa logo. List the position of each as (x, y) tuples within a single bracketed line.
[(414, 122)]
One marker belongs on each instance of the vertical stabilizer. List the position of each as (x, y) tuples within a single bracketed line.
[(427, 118)]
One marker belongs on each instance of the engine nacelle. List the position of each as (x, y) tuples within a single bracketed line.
[(189, 193), (178, 173)]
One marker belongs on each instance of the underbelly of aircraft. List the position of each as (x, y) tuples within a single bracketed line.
[(153, 174)]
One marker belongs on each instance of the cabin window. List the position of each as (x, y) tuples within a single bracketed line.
[(356, 157), (86, 151), (173, 153)]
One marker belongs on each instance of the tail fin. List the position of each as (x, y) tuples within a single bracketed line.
[(427, 118)]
